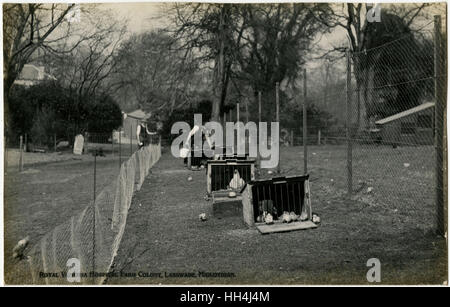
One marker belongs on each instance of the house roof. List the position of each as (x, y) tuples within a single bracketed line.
[(411, 111), (138, 114), (34, 73)]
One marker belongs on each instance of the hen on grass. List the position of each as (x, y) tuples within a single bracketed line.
[(20, 248)]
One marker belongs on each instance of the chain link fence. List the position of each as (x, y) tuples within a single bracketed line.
[(385, 115), (92, 236)]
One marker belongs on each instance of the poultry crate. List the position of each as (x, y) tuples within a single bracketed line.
[(225, 178), (233, 156), (198, 157), (276, 196), (221, 172)]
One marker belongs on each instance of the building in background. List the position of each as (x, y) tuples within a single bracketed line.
[(410, 127), (32, 75), (131, 121)]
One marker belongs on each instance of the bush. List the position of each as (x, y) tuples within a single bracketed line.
[(316, 118), (41, 130), (35, 109), (104, 115), (203, 107), (46, 110)]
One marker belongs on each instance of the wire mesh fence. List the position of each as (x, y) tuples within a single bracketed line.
[(92, 237), (387, 120)]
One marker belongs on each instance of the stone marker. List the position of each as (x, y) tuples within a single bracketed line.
[(78, 145)]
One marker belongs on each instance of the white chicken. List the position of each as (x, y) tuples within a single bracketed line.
[(293, 216), (268, 219), (316, 218), (236, 182), (303, 216), (286, 217), (20, 248)]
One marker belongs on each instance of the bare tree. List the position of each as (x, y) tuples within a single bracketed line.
[(86, 69), (211, 34), (255, 44), (154, 72), (276, 42), (26, 28), (361, 35)]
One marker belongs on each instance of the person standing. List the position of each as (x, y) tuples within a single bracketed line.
[(142, 134)]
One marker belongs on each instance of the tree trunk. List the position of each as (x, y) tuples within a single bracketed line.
[(8, 81), (219, 69)]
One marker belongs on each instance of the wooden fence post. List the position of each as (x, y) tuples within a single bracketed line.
[(86, 142), (6, 153), (238, 117), (20, 154), (440, 110), (112, 143), (305, 127), (246, 111), (120, 149), (277, 100), (349, 125), (258, 159)]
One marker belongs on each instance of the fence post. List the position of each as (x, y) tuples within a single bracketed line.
[(6, 153), (21, 153), (131, 140), (259, 106), (246, 111), (112, 143), (292, 137), (258, 159), (349, 125), (93, 218), (237, 112), (440, 97), (120, 149), (318, 137), (277, 100), (237, 121), (86, 143), (305, 126)]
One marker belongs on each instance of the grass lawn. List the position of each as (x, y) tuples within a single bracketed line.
[(390, 217), (47, 194)]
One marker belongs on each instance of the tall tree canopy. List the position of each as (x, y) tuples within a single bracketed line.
[(154, 73), (247, 45)]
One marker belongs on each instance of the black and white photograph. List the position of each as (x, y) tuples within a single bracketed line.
[(224, 143)]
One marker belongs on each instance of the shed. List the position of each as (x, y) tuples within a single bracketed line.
[(131, 120), (410, 127)]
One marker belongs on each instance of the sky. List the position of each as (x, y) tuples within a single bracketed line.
[(141, 16), (144, 16), (147, 16)]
